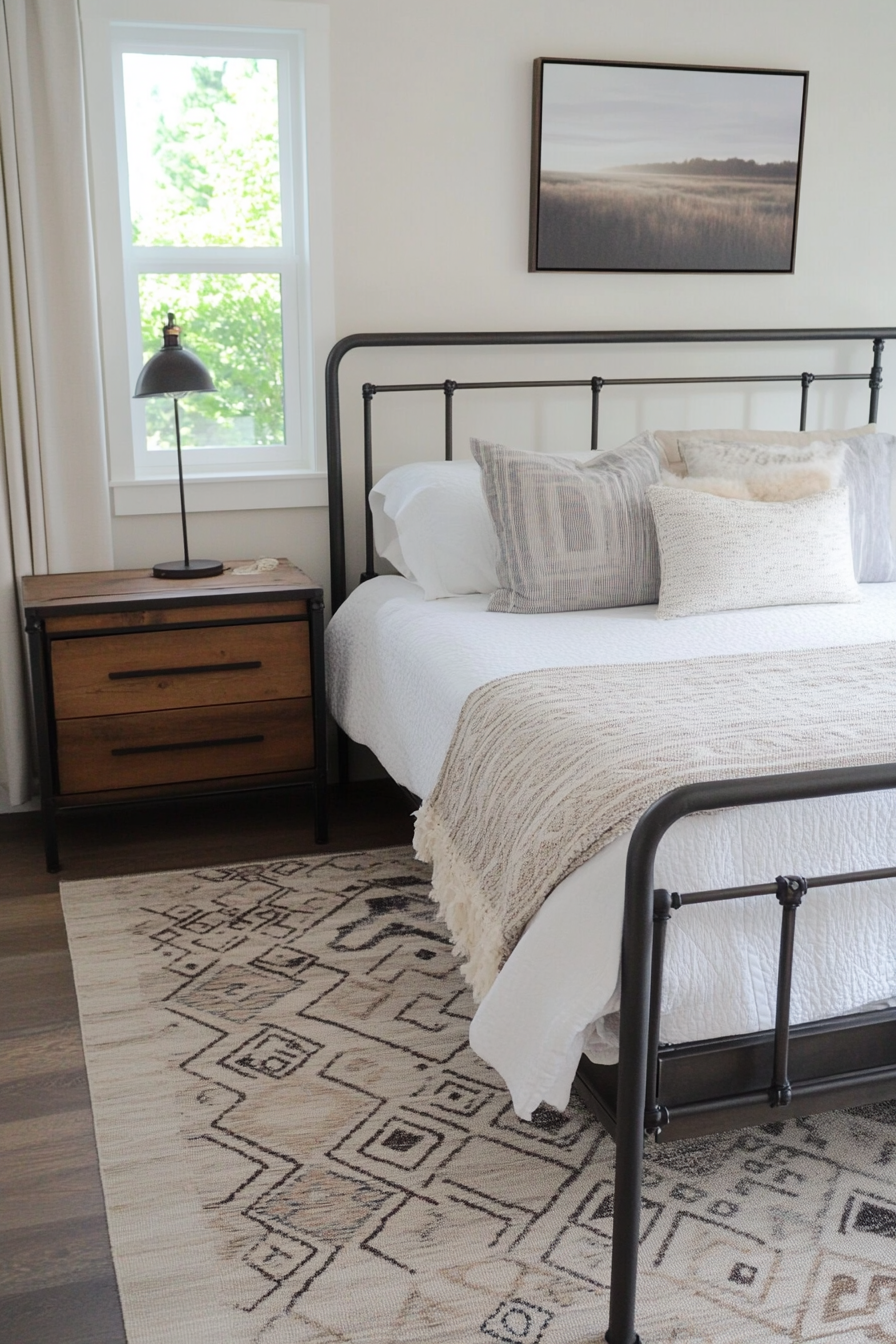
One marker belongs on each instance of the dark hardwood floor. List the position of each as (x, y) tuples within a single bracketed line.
[(57, 1282)]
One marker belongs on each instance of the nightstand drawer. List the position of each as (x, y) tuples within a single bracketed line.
[(152, 618), (175, 669), (125, 751)]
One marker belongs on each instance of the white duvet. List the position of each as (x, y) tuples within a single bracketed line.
[(399, 669)]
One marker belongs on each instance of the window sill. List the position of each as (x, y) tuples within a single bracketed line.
[(219, 494)]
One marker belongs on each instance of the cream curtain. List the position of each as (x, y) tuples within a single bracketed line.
[(54, 496)]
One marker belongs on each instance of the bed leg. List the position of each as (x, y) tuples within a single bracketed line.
[(341, 757), (626, 1221), (631, 1085)]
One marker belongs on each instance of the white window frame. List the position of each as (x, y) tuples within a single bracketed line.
[(296, 33)]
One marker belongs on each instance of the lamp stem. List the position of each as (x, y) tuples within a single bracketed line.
[(180, 477)]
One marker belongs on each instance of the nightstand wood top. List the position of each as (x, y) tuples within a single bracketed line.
[(118, 588)]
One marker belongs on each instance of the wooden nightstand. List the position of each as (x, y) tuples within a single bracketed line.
[(153, 688)]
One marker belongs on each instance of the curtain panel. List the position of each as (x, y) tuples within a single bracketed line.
[(54, 494)]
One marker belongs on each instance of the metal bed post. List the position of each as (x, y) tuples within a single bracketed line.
[(368, 392), (634, 1015)]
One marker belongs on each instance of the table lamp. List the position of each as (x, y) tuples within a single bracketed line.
[(174, 372)]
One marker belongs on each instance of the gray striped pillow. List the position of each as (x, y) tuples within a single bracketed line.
[(572, 535)]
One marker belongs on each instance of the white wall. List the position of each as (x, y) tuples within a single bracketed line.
[(431, 139)]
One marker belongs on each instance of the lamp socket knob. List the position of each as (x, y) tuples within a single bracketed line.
[(171, 332)]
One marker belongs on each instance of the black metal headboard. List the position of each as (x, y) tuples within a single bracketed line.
[(448, 388)]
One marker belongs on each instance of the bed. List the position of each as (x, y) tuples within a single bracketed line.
[(772, 1030)]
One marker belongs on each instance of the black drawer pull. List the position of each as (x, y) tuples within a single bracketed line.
[(186, 746), (183, 671)]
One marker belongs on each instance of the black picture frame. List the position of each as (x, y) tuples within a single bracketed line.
[(652, 167)]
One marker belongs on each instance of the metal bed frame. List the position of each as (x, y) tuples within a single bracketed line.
[(658, 1091)]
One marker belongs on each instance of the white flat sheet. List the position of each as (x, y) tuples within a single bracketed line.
[(399, 669)]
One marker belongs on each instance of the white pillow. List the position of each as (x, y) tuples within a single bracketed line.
[(720, 554), (431, 521)]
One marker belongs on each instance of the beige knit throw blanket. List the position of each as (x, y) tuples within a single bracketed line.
[(546, 768)]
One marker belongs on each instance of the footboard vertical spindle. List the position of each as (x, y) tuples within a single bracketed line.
[(791, 891), (664, 902)]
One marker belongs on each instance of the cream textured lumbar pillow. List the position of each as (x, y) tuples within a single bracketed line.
[(706, 457), (719, 554)]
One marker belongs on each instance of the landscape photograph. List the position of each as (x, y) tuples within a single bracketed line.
[(665, 168)]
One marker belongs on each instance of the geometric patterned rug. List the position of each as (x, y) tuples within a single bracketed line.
[(298, 1146)]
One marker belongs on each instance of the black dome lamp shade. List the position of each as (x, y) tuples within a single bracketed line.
[(173, 372)]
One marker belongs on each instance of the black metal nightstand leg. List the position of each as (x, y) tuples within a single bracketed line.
[(318, 689), (321, 816), (38, 658), (51, 840)]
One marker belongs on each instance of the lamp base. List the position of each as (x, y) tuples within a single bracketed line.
[(193, 569)]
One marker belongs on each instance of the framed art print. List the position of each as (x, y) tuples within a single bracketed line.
[(664, 167)]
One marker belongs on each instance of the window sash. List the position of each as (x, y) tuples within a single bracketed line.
[(290, 261), (152, 463)]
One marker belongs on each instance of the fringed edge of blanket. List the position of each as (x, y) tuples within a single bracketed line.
[(476, 935)]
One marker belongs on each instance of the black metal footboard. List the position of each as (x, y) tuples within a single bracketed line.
[(673, 1092)]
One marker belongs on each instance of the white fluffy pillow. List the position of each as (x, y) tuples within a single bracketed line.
[(772, 483), (720, 554), (431, 522)]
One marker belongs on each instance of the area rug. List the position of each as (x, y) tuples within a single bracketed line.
[(299, 1147)]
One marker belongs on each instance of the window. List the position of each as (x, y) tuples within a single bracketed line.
[(204, 161)]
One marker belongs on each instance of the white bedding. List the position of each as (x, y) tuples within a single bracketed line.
[(399, 669)]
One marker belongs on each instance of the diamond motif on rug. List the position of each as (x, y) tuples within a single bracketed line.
[(299, 1147)]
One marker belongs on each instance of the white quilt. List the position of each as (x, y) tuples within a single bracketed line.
[(399, 669)]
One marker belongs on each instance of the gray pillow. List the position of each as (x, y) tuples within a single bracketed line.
[(572, 535), (867, 473)]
